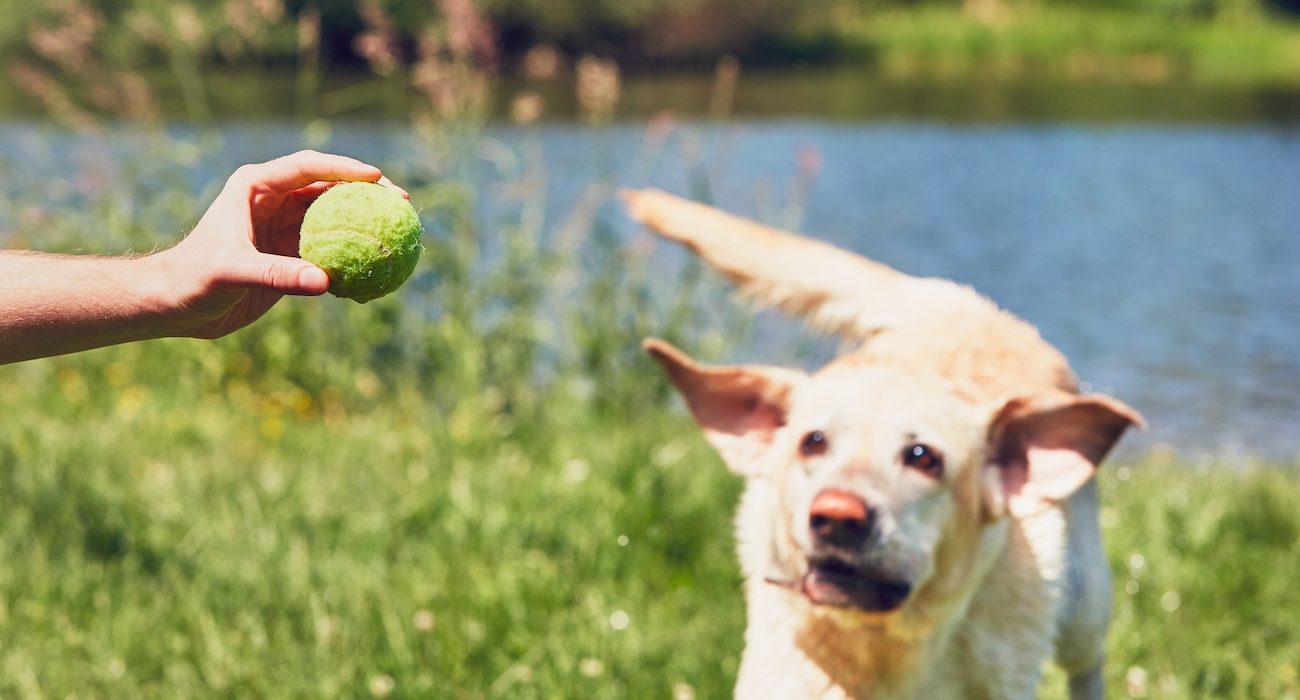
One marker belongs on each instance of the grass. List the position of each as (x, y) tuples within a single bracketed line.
[(1076, 44), (161, 547), (165, 540), (1203, 559), (160, 544)]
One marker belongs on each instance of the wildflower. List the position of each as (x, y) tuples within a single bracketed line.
[(44, 88), (576, 470), (526, 108), (619, 620), (381, 686), (378, 44), (723, 95), (309, 30), (1135, 681), (187, 24), (598, 88), (423, 620), (469, 35), (70, 43), (541, 63)]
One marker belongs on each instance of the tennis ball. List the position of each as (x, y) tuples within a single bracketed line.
[(366, 237)]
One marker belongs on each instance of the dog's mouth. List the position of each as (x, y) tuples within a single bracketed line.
[(840, 583)]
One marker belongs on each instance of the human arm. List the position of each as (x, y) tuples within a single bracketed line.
[(239, 260)]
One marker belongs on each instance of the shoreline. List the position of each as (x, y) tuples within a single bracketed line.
[(843, 93)]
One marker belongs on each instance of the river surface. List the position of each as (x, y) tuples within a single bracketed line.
[(1163, 260)]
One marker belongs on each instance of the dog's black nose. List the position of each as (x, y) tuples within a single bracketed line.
[(840, 519)]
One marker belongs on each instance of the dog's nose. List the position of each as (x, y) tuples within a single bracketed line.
[(840, 519)]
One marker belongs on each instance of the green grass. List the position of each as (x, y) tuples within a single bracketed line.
[(164, 541), (1204, 561), (1076, 44), (164, 544)]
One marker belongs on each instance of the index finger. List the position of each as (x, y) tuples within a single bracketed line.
[(304, 168), (316, 189)]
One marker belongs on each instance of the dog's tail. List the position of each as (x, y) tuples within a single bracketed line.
[(833, 289)]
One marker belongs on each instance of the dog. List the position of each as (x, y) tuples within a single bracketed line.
[(920, 518)]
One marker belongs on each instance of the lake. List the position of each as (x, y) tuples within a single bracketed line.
[(1163, 260)]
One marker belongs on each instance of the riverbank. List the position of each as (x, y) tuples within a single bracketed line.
[(1076, 44), (834, 93), (1017, 62)]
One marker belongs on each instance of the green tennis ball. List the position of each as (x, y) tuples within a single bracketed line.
[(366, 237)]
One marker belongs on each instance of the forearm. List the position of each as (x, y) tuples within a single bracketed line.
[(239, 260), (56, 304)]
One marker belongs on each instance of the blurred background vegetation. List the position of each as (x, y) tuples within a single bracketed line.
[(659, 32), (478, 487), (1183, 42)]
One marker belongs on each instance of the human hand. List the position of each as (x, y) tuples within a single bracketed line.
[(241, 258)]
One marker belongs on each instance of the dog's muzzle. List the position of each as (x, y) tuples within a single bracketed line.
[(840, 583), (842, 527)]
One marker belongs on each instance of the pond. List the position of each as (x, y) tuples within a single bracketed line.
[(1163, 260)]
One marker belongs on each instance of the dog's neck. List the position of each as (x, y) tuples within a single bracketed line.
[(795, 649)]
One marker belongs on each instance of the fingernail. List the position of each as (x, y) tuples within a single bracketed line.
[(312, 278)]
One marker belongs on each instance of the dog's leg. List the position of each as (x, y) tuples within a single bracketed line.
[(1087, 685), (833, 289)]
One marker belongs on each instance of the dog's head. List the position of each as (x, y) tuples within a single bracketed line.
[(877, 482)]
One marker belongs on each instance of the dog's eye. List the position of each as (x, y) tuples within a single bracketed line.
[(924, 459), (813, 444)]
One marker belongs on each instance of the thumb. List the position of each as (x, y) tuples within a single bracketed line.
[(283, 274)]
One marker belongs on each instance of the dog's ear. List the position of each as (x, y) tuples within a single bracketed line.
[(1043, 448), (739, 408)]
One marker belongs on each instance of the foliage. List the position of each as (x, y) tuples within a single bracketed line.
[(1076, 45), (139, 33)]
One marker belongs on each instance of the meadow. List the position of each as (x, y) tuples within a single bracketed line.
[(179, 521)]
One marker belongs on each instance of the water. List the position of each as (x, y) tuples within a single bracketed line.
[(1164, 261)]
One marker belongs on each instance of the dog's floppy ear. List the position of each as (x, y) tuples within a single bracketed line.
[(1046, 447), (739, 408)]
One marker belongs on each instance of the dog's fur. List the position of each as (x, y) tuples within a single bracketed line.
[(1002, 550)]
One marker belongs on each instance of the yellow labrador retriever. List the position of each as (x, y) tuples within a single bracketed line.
[(920, 518)]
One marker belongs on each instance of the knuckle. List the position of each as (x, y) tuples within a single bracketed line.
[(275, 275), (244, 175)]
